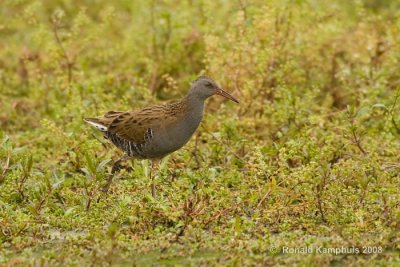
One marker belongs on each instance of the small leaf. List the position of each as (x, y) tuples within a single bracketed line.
[(68, 182), (30, 163), (382, 106), (32, 209), (18, 150), (87, 172), (362, 111), (90, 164), (112, 229), (58, 184), (69, 211), (47, 181), (102, 164), (6, 143)]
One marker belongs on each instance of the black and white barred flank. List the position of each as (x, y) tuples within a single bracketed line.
[(130, 148)]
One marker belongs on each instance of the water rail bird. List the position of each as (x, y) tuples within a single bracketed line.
[(157, 130)]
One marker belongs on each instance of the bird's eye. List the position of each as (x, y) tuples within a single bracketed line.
[(208, 84)]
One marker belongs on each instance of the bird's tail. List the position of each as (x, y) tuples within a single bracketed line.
[(97, 123)]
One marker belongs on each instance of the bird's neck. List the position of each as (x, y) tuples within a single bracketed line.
[(194, 110), (194, 104)]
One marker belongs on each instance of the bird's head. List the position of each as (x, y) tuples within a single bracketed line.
[(204, 87)]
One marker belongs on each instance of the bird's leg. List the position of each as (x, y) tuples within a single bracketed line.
[(154, 165), (114, 168)]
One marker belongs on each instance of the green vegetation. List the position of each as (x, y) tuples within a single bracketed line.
[(310, 157)]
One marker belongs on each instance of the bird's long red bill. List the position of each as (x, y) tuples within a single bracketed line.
[(226, 94)]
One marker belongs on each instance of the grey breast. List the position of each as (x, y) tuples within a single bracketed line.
[(168, 139)]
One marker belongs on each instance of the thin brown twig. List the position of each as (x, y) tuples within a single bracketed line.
[(64, 53), (357, 141), (22, 229), (320, 208), (216, 216), (263, 198), (391, 111)]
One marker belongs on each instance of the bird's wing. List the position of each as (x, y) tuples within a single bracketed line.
[(139, 126)]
